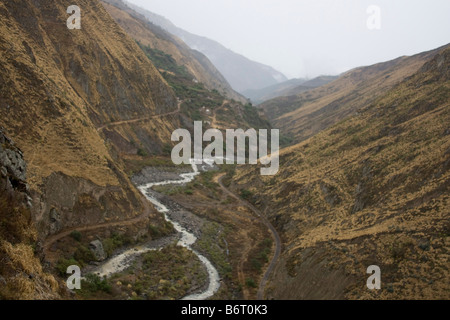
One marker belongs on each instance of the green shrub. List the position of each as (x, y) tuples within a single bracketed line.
[(83, 255), (94, 283), (76, 235), (256, 264), (63, 264), (246, 194), (167, 149), (250, 283), (114, 242), (142, 153)]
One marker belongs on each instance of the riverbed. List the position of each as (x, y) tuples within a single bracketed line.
[(186, 231)]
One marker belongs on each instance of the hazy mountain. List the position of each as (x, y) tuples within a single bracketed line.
[(149, 34), (371, 190), (287, 88), (242, 73)]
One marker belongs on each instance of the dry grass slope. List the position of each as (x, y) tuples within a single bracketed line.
[(372, 189), (303, 115), (58, 87)]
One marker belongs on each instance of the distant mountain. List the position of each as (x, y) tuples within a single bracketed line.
[(149, 34), (308, 85), (305, 114), (242, 73), (287, 88), (202, 92)]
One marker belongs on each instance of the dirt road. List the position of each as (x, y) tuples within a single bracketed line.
[(119, 123), (276, 237), (148, 210)]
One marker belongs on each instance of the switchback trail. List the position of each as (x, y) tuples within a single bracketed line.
[(265, 278)]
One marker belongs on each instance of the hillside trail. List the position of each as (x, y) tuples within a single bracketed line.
[(262, 285), (148, 210), (119, 123), (214, 118)]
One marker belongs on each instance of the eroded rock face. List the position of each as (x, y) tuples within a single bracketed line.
[(70, 202), (55, 221), (12, 167)]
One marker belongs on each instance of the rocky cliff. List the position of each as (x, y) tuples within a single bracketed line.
[(21, 273)]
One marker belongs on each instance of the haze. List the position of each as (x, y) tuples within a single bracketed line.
[(309, 38)]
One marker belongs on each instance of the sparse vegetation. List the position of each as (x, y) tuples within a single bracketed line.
[(211, 243), (368, 190), (249, 282), (63, 264), (92, 285), (114, 242), (246, 194)]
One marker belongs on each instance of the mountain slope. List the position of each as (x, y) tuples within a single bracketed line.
[(139, 28), (197, 101), (307, 113), (287, 88), (69, 98), (371, 190), (242, 73)]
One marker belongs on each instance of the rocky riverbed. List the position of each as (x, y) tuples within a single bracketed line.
[(187, 224)]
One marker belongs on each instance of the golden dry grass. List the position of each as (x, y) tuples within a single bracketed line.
[(373, 189)]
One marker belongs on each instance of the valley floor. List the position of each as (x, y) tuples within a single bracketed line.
[(233, 235)]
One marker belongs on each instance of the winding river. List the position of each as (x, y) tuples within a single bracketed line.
[(123, 260)]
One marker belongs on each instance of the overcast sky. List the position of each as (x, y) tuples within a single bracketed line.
[(306, 38)]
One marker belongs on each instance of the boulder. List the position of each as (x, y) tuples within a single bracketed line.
[(97, 250)]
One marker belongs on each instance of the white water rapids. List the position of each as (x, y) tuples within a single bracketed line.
[(122, 261)]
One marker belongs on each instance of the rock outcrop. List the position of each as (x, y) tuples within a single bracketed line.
[(13, 168), (21, 273), (97, 250)]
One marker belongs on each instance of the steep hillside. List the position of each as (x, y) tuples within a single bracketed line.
[(198, 66), (21, 273), (242, 73), (303, 115), (287, 88), (70, 99), (197, 101), (371, 190)]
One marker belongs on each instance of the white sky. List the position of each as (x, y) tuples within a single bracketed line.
[(306, 38)]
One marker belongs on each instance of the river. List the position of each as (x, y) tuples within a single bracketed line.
[(122, 261)]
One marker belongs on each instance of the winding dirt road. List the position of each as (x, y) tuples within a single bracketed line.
[(276, 237)]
